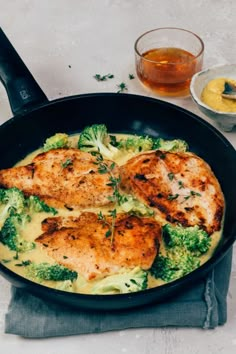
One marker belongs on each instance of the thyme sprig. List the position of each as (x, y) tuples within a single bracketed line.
[(192, 194), (102, 217), (104, 167), (68, 162), (23, 263), (172, 196)]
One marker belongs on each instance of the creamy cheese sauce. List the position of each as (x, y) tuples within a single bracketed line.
[(37, 255)]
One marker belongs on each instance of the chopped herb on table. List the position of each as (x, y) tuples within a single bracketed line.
[(131, 76), (122, 87), (99, 77)]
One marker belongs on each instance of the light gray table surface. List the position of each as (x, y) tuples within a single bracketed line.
[(65, 43)]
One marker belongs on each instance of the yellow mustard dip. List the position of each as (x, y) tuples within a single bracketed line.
[(211, 95)]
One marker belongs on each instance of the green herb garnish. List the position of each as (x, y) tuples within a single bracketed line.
[(104, 167), (192, 193), (6, 261), (99, 77), (68, 162), (171, 176), (23, 263), (122, 87), (172, 196)]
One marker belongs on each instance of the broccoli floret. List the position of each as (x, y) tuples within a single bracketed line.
[(171, 268), (46, 271), (183, 246), (57, 141), (36, 205), (125, 282), (138, 143), (135, 144), (16, 211), (11, 201), (175, 145), (95, 138), (10, 234), (129, 204), (194, 239), (162, 268), (65, 285)]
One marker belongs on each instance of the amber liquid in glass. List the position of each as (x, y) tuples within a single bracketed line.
[(167, 71)]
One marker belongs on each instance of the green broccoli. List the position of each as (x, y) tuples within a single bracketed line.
[(171, 267), (10, 234), (194, 239), (139, 143), (129, 204), (183, 246), (35, 205), (11, 201), (65, 285), (175, 145), (135, 144), (16, 211), (95, 138), (125, 282), (46, 271), (57, 141)]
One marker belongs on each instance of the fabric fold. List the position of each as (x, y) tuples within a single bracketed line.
[(204, 305)]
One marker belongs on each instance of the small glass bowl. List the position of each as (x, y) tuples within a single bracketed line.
[(167, 58)]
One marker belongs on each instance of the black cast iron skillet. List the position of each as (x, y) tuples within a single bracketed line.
[(36, 118)]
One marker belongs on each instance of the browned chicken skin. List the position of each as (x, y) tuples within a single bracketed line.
[(181, 187), (81, 243), (61, 177)]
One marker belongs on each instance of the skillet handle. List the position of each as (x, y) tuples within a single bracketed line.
[(22, 89)]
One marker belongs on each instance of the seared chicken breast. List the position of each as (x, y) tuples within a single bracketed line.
[(181, 187), (52, 224), (85, 247), (63, 177)]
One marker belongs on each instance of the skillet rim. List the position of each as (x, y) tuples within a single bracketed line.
[(172, 287)]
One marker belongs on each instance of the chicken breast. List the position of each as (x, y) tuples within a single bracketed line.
[(181, 187), (61, 177), (85, 248), (52, 224)]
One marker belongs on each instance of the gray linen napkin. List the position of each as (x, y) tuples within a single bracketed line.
[(204, 305)]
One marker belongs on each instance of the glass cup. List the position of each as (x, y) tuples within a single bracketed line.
[(167, 58)]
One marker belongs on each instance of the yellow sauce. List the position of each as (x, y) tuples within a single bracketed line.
[(211, 95), (37, 255)]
